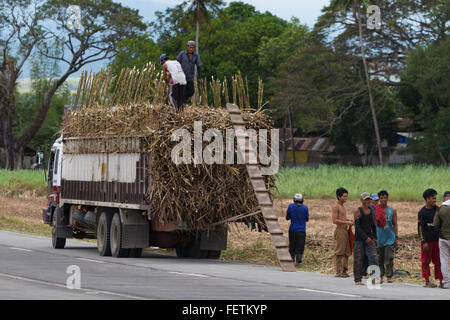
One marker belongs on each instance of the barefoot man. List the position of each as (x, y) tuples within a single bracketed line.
[(342, 251)]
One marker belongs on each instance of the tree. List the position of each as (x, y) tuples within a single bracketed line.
[(135, 52), (32, 24), (428, 101), (356, 6), (201, 10), (228, 46)]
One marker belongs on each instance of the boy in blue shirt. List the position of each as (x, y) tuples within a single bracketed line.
[(298, 213)]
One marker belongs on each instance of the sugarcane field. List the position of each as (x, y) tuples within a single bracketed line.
[(200, 151)]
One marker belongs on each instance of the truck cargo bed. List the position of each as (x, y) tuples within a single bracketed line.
[(93, 170)]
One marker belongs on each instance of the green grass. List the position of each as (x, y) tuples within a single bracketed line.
[(402, 183), (21, 226), (21, 181)]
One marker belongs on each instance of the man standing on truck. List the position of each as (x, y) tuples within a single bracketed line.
[(298, 213), (189, 60), (343, 250), (177, 82)]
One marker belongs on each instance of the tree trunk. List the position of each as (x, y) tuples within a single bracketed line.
[(283, 135), (196, 46), (372, 107), (292, 137)]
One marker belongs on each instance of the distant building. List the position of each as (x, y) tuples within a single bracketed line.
[(307, 150)]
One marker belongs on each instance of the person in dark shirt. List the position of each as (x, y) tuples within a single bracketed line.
[(429, 236), (365, 241), (189, 60), (298, 213)]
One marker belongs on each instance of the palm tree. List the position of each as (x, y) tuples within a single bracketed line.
[(201, 10), (355, 4)]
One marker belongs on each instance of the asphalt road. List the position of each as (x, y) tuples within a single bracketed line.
[(31, 269)]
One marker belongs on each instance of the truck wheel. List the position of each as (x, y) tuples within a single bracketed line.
[(181, 251), (103, 234), (136, 252), (116, 238), (193, 250), (57, 243), (214, 254)]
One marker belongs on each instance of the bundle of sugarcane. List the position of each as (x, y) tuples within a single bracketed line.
[(193, 195)]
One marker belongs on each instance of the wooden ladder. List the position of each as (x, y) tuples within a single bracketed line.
[(261, 192)]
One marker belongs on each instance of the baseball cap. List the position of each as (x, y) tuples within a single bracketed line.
[(298, 197), (365, 195), (191, 43), (163, 57), (374, 196)]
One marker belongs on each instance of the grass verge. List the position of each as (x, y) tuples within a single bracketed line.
[(403, 183)]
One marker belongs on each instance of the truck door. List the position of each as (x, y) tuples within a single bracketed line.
[(56, 182), (51, 164)]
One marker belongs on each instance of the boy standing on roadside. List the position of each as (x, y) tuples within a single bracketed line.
[(343, 250), (298, 213), (387, 235), (442, 223), (429, 237)]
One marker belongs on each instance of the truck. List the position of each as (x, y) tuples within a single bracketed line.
[(97, 188)]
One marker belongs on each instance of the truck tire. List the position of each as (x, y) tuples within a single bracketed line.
[(193, 250), (214, 254), (57, 243), (116, 238), (136, 252), (103, 234), (181, 252)]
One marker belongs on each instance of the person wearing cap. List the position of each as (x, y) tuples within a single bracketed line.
[(342, 250), (373, 203), (429, 236), (442, 223), (298, 213), (177, 81), (365, 241), (387, 235), (188, 60)]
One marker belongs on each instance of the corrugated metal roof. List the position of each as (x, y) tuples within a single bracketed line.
[(310, 144)]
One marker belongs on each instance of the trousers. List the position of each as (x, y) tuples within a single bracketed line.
[(361, 248), (386, 260)]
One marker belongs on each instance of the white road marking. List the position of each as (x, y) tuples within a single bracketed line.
[(87, 291), (91, 260), (20, 249), (190, 274), (330, 292)]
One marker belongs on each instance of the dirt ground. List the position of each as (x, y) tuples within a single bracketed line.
[(318, 256), (319, 243)]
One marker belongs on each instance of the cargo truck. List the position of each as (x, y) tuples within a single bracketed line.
[(97, 189)]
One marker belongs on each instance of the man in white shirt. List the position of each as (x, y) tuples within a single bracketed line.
[(177, 81)]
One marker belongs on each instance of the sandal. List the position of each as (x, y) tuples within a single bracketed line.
[(430, 285)]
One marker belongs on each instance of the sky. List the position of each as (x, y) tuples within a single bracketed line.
[(306, 10)]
